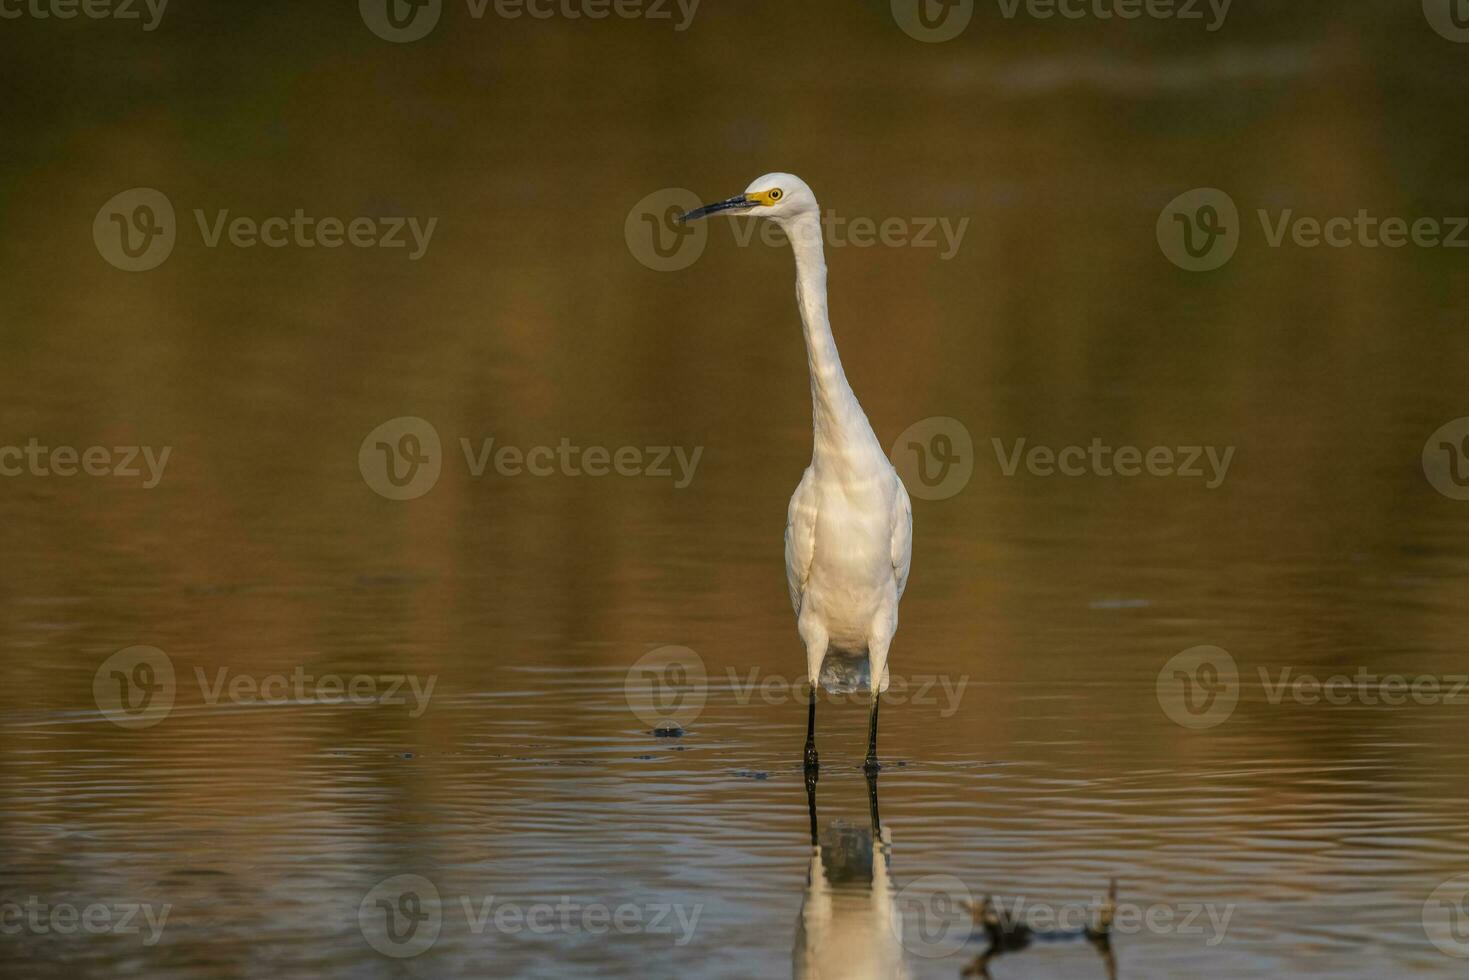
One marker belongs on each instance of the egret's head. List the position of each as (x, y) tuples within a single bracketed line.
[(780, 197)]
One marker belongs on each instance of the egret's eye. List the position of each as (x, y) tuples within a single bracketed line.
[(775, 195)]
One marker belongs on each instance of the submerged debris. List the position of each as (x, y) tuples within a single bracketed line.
[(1008, 935)]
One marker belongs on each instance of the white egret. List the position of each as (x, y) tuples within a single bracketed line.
[(849, 529)]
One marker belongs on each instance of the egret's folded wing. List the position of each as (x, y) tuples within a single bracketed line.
[(902, 535), (800, 538)]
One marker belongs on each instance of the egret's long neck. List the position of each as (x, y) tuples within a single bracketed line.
[(841, 426)]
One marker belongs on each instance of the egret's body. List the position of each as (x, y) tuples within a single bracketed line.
[(849, 529)]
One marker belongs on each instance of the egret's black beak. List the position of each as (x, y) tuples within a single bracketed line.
[(739, 202)]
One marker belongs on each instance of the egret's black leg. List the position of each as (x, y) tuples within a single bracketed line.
[(812, 763), (811, 808), (871, 766), (872, 806)]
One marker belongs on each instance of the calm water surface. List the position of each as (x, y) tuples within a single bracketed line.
[(1038, 764)]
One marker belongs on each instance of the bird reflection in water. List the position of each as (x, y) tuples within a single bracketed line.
[(1007, 935), (850, 925)]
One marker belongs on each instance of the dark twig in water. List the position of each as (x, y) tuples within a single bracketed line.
[(1007, 935)]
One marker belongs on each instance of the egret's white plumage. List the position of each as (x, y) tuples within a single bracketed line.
[(849, 529)]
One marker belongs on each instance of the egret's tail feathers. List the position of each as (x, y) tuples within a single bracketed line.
[(846, 853), (846, 673)]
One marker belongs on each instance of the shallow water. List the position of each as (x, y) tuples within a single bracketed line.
[(1027, 751)]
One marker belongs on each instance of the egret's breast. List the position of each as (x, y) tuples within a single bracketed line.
[(851, 574)]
